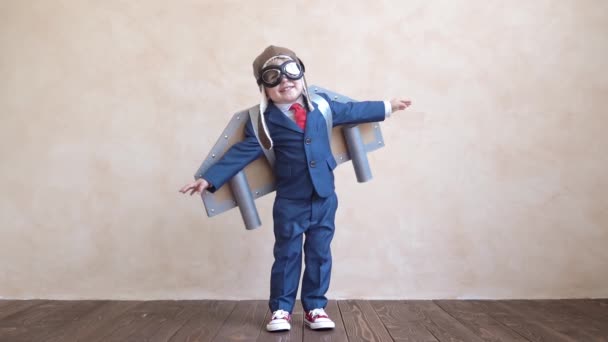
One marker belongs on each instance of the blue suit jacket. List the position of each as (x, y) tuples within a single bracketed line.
[(304, 162)]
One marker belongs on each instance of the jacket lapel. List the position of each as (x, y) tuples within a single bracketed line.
[(313, 115)]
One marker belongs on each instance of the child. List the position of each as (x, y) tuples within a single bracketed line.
[(305, 203)]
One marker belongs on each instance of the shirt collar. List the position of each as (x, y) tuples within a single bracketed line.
[(284, 107)]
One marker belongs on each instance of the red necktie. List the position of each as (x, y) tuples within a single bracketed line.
[(299, 114)]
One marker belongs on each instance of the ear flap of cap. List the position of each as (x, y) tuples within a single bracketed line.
[(309, 104), (263, 133), (262, 128)]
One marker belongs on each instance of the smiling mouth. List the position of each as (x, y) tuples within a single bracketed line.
[(286, 89)]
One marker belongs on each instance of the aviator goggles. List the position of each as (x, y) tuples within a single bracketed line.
[(272, 74)]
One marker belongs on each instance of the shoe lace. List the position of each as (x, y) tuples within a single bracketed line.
[(280, 314), (318, 313)]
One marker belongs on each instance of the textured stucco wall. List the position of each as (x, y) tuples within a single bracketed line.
[(493, 185)]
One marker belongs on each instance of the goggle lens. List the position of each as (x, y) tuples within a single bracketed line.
[(292, 69), (271, 76)]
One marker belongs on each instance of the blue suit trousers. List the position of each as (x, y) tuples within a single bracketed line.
[(295, 219)]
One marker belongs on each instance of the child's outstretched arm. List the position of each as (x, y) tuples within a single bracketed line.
[(364, 111), (233, 161)]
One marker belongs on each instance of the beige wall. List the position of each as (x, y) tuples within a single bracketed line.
[(493, 185)]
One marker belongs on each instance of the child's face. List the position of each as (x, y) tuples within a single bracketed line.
[(288, 91)]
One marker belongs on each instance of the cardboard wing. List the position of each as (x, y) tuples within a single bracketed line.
[(257, 179)]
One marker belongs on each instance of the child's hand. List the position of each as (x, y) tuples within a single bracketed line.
[(397, 104), (198, 186)]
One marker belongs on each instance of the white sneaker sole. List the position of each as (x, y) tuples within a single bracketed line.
[(320, 325), (278, 326)]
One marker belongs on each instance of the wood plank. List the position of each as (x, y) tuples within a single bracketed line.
[(592, 308), (296, 332), (438, 322), (172, 324), (34, 324), (98, 322), (563, 319), (361, 321), (479, 322), (144, 321), (9, 307), (338, 334), (397, 323), (205, 324), (513, 318), (245, 322), (6, 302)]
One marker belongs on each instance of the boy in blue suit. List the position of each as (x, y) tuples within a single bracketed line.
[(305, 204)]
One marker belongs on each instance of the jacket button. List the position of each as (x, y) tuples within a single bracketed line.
[(313, 163), (308, 141)]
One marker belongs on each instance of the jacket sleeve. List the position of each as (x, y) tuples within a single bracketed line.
[(234, 160), (356, 112)]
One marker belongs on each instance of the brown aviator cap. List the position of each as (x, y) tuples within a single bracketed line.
[(268, 53)]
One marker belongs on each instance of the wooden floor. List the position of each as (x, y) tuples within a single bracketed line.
[(356, 320)]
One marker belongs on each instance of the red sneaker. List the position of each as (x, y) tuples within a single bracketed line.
[(318, 319), (279, 321)]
